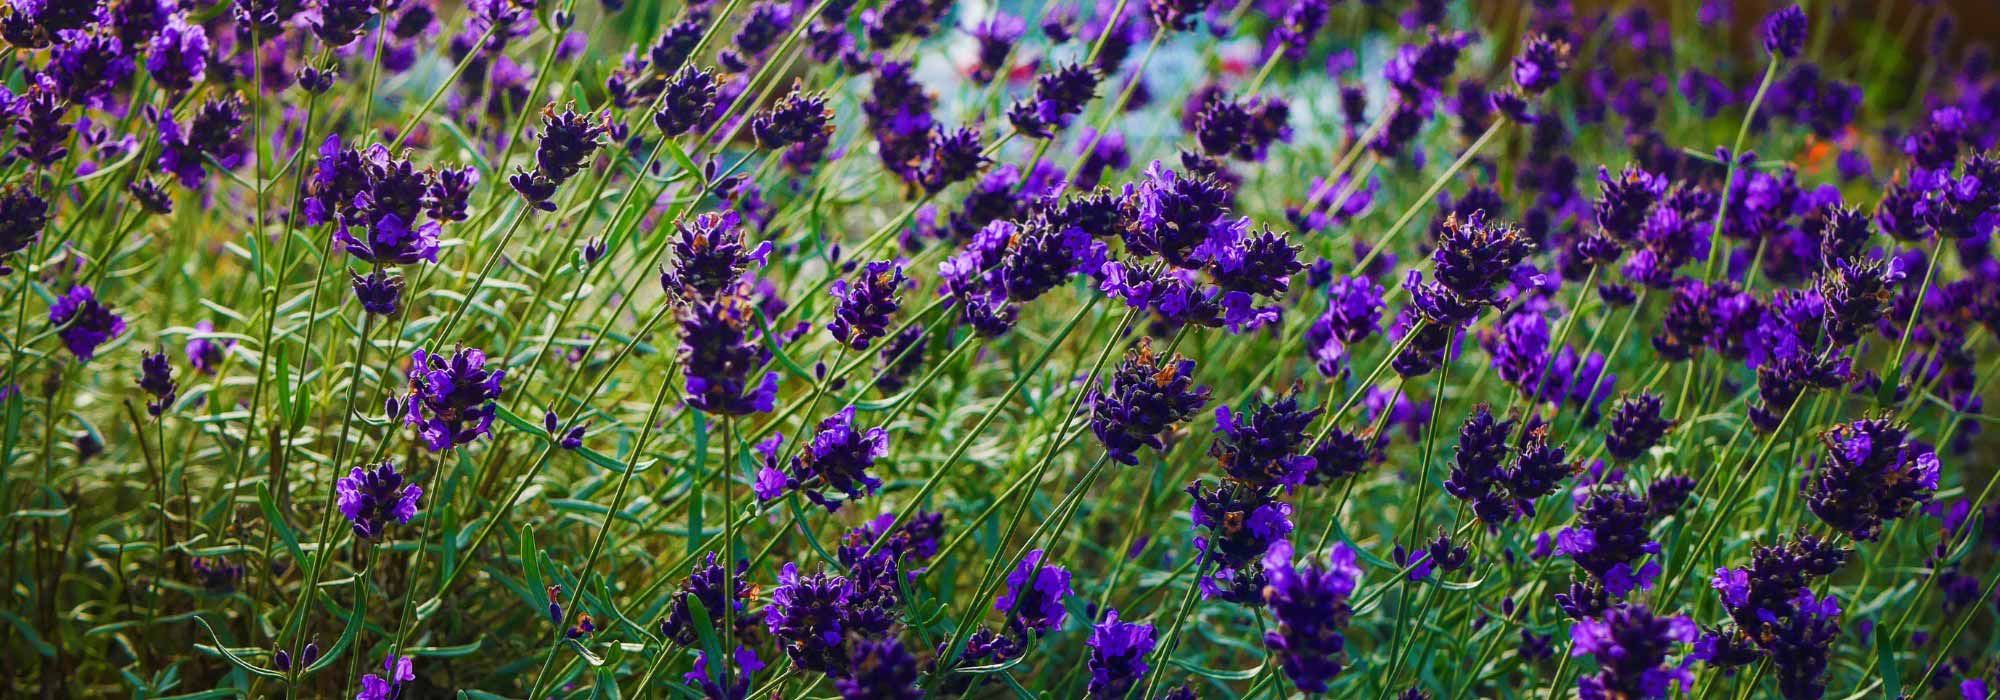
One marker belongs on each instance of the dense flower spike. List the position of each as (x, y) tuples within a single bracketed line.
[(83, 323), (1034, 598), (451, 399), (1631, 644), (156, 377), (836, 459), (1146, 396), (567, 142), (23, 215), (1059, 95), (1637, 424), (1310, 604), (372, 498), (1873, 473), (1118, 652), (705, 585), (720, 349), (711, 253), (1264, 445), (1785, 32), (866, 303)]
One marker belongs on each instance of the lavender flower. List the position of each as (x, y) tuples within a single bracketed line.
[(1117, 658), (373, 498), (1034, 598), (1477, 472), (837, 459), (718, 351), (177, 57), (1636, 426), (1611, 535), (689, 96), (156, 377), (865, 305), (711, 251), (205, 354), (396, 670), (1059, 95), (567, 141), (1873, 473), (1310, 604), (84, 324), (1541, 63), (996, 37), (1241, 522), (883, 670), (379, 292), (23, 215), (1146, 396), (450, 402), (1264, 446), (1785, 32), (1631, 645)]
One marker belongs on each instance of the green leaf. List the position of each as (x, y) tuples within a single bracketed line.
[(230, 654), (1243, 675), (1892, 675), (450, 652), (277, 521)]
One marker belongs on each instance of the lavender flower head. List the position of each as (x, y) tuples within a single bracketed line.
[(451, 399), (704, 584), (1146, 396), (719, 349), (205, 354), (1636, 426), (23, 215), (396, 670), (865, 304), (1059, 95), (1310, 604), (1117, 660), (156, 377), (1241, 523), (1265, 445), (567, 142), (83, 323), (1034, 598), (883, 670), (1541, 63), (1631, 645), (1873, 473), (373, 498), (711, 251), (1785, 32), (837, 459)]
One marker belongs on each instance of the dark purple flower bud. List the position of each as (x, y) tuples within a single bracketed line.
[(1610, 537), (1477, 472), (1636, 426), (996, 37), (900, 18), (379, 292), (882, 670), (203, 353), (1176, 14), (798, 118), (1873, 473), (1785, 32), (1146, 396), (689, 96), (1541, 63), (1631, 645), (711, 251), (1420, 70), (445, 198), (1474, 256), (281, 660), (451, 399), (1310, 604), (178, 56), (1301, 24), (1117, 660), (953, 157), (1625, 201), (836, 460), (1666, 495), (704, 584), (719, 350), (373, 498), (340, 22), (83, 323), (151, 196), (1173, 215), (318, 80), (40, 135), (865, 304), (1238, 523), (86, 67), (1034, 598), (23, 215), (1264, 446), (156, 377), (217, 575), (1775, 575), (762, 26), (568, 140), (1059, 95)]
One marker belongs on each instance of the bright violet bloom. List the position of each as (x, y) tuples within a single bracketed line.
[(83, 323), (373, 498), (451, 398), (719, 349), (1631, 645), (836, 460), (1310, 604), (1034, 598), (1118, 652), (1873, 473), (1146, 396)]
